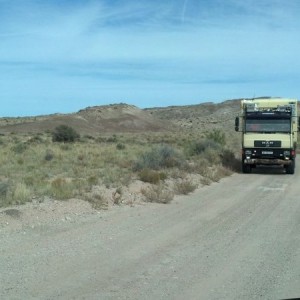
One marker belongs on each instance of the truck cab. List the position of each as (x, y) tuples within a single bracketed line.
[(269, 132)]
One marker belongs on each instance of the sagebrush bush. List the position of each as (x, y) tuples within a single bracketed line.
[(184, 187), (65, 147), (217, 136), (112, 139), (205, 181), (62, 189), (19, 147), (49, 155), (217, 173), (160, 157), (65, 133), (37, 139), (223, 172), (230, 161), (198, 147), (93, 180), (151, 176), (97, 200), (4, 186), (120, 146), (212, 156), (158, 194)]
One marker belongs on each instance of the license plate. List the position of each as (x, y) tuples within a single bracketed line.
[(267, 152)]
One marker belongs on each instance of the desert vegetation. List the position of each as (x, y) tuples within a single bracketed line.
[(62, 165)]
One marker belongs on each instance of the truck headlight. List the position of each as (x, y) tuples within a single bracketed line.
[(286, 154), (248, 154)]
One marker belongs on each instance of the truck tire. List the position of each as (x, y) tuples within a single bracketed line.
[(290, 169), (246, 168)]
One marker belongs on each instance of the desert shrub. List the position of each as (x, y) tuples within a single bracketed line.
[(160, 157), (97, 200), (212, 156), (157, 194), (203, 168), (4, 187), (217, 173), (185, 187), (21, 193), (61, 189), (205, 181), (37, 139), (198, 147), (170, 157), (229, 160), (112, 139), (29, 180), (217, 136), (20, 161), (223, 172), (117, 196), (198, 165), (151, 176), (100, 139), (163, 175), (65, 147), (49, 155), (120, 146), (92, 180), (64, 133), (81, 157), (19, 148), (88, 137)]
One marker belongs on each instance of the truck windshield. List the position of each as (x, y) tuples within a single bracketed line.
[(268, 125)]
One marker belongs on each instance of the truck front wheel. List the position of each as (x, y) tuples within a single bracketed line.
[(290, 169), (246, 168)]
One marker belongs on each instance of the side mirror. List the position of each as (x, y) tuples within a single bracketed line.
[(237, 123)]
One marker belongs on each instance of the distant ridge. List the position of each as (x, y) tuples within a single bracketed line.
[(91, 120), (122, 118)]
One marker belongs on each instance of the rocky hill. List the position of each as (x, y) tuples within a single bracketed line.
[(201, 116), (119, 118), (92, 120)]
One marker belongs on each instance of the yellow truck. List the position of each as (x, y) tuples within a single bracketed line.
[(269, 132)]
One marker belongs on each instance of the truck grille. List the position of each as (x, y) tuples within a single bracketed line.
[(267, 144), (267, 153)]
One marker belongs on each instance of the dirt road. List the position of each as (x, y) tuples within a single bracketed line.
[(237, 239)]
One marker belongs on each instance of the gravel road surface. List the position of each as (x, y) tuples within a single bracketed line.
[(236, 239)]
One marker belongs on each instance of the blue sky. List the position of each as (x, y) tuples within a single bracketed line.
[(64, 55)]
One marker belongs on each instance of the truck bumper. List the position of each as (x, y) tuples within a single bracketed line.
[(263, 161)]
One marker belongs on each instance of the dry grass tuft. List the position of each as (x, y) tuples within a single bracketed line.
[(151, 176), (184, 187), (21, 194), (97, 200), (62, 189), (158, 194), (205, 181)]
